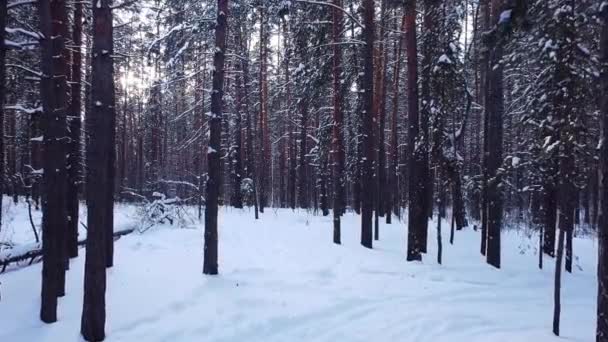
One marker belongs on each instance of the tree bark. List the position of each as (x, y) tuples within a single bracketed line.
[(494, 106), (3, 48), (338, 124), (53, 23), (602, 272), (74, 170), (99, 150), (210, 265), (417, 217), (367, 125)]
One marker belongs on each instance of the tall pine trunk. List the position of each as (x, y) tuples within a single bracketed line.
[(367, 122), (54, 91), (74, 171), (417, 216), (338, 124), (602, 269), (494, 106), (215, 131), (99, 158), (3, 48)]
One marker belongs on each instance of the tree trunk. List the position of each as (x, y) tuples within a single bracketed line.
[(550, 216), (338, 124), (213, 182), (302, 180), (602, 296), (99, 150), (558, 283), (53, 23), (264, 157), (417, 217), (3, 48), (484, 62), (74, 171), (367, 122), (494, 108), (394, 154)]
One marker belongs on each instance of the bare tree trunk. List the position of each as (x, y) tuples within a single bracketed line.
[(558, 283), (367, 125), (53, 23), (99, 174), (302, 174), (3, 48), (417, 217), (74, 161), (264, 157), (484, 62), (210, 265), (494, 108), (394, 154), (602, 273), (338, 124)]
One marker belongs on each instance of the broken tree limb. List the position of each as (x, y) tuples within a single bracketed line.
[(36, 251)]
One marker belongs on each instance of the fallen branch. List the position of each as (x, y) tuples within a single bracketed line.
[(32, 254)]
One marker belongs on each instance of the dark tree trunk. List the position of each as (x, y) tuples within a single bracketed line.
[(251, 165), (549, 212), (215, 130), (494, 106), (54, 91), (417, 217), (602, 296), (394, 154), (484, 62), (428, 57), (302, 181), (3, 48), (338, 124), (558, 283), (74, 170), (236, 155), (264, 157), (367, 122), (99, 157)]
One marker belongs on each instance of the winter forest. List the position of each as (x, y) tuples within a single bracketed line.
[(304, 170)]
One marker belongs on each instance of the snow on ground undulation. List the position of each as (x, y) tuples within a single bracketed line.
[(282, 279)]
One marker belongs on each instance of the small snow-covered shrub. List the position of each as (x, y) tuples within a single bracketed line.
[(162, 210)]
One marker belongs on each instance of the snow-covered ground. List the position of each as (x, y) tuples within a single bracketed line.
[(17, 235), (282, 279)]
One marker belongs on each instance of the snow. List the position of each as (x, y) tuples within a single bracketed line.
[(282, 279), (505, 16), (17, 230)]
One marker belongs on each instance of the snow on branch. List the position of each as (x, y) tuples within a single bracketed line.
[(20, 3), (32, 34), (322, 3), (26, 69), (26, 110)]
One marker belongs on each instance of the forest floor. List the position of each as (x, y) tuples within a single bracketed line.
[(282, 279)]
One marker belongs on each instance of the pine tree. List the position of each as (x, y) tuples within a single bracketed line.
[(367, 123), (210, 265), (100, 125), (54, 91), (602, 297), (417, 216)]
